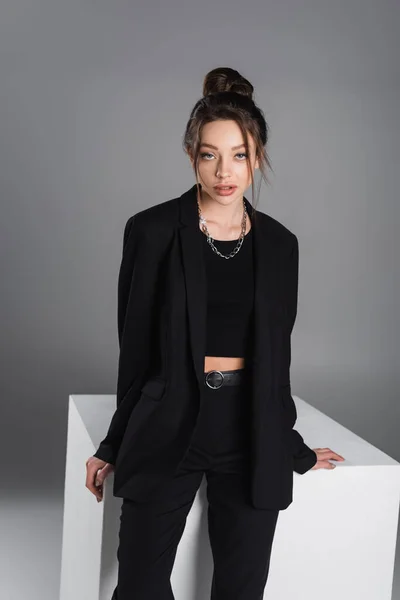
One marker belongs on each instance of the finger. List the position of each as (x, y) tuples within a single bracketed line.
[(332, 454), (92, 485), (101, 474), (106, 470), (338, 456), (335, 455), (324, 464), (329, 465), (96, 490), (99, 494)]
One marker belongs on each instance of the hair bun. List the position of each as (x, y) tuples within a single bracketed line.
[(224, 79)]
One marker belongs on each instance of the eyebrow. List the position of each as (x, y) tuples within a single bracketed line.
[(215, 147)]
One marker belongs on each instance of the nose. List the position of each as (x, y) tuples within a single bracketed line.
[(223, 173)]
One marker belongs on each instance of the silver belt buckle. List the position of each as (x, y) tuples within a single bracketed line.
[(213, 387)]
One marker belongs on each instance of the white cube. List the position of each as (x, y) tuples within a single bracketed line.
[(336, 540)]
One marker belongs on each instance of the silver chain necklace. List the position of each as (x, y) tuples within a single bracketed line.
[(210, 240)]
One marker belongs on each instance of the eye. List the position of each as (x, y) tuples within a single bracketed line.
[(204, 154)]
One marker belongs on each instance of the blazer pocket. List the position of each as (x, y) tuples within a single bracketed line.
[(154, 388)]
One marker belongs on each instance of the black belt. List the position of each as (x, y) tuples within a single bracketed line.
[(216, 379)]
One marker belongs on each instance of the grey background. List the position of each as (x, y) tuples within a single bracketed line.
[(94, 98)]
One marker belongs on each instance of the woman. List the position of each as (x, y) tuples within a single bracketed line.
[(207, 299)]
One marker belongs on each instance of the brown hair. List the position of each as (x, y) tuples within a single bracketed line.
[(227, 95)]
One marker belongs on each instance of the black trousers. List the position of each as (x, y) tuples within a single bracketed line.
[(240, 535)]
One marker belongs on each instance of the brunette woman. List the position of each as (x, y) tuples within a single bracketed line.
[(207, 300)]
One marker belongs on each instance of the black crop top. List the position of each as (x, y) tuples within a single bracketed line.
[(230, 287)]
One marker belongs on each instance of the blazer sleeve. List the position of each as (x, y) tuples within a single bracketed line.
[(304, 458), (125, 274), (109, 446)]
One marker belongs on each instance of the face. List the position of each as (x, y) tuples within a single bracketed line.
[(222, 160)]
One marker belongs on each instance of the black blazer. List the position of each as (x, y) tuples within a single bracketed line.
[(161, 329)]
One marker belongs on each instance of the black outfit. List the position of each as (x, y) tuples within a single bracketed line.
[(162, 327), (178, 302), (241, 536)]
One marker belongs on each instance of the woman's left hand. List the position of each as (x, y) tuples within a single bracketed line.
[(323, 456)]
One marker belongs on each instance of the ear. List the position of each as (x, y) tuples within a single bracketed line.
[(257, 164)]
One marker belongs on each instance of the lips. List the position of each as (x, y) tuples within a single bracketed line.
[(222, 187)]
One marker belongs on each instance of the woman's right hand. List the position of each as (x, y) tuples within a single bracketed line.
[(96, 472)]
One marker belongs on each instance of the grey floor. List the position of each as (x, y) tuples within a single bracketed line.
[(30, 546)]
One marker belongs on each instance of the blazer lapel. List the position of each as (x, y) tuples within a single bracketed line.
[(195, 277), (265, 286), (264, 290)]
